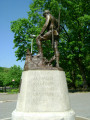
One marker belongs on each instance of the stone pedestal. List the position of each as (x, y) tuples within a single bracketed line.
[(43, 96)]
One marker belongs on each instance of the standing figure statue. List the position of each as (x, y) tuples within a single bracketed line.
[(51, 25)]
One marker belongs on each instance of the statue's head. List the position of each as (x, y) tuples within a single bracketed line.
[(46, 12)]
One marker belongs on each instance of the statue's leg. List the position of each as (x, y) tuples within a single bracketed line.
[(46, 36), (39, 44), (39, 40), (56, 53)]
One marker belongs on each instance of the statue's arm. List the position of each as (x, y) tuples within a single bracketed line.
[(45, 25)]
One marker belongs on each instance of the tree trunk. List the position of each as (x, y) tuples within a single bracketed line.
[(2, 88), (5, 88), (82, 70), (73, 79)]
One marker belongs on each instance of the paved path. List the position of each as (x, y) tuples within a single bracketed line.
[(80, 102), (7, 97), (6, 109)]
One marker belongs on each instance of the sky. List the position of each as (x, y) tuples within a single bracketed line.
[(10, 10)]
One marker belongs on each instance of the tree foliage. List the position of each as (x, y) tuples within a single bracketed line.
[(4, 76), (14, 75), (7, 75), (74, 36)]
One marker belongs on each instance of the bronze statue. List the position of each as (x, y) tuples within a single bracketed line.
[(39, 61), (51, 25)]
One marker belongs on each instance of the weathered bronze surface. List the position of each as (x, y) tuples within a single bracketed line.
[(51, 25), (39, 61)]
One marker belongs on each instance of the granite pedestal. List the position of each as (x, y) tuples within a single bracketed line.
[(43, 96)]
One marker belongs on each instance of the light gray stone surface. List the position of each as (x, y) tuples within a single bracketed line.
[(43, 93), (80, 103), (68, 115)]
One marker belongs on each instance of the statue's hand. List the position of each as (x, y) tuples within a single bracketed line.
[(41, 34)]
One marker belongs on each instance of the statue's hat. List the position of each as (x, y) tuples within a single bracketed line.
[(46, 12)]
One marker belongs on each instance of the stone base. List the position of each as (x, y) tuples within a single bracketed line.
[(43, 96), (69, 115)]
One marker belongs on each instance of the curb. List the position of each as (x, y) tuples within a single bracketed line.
[(3, 93), (81, 118), (6, 119), (7, 101)]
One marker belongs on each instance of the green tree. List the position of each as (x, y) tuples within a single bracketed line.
[(14, 75), (4, 77), (77, 22), (74, 35), (10, 76), (1, 83)]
